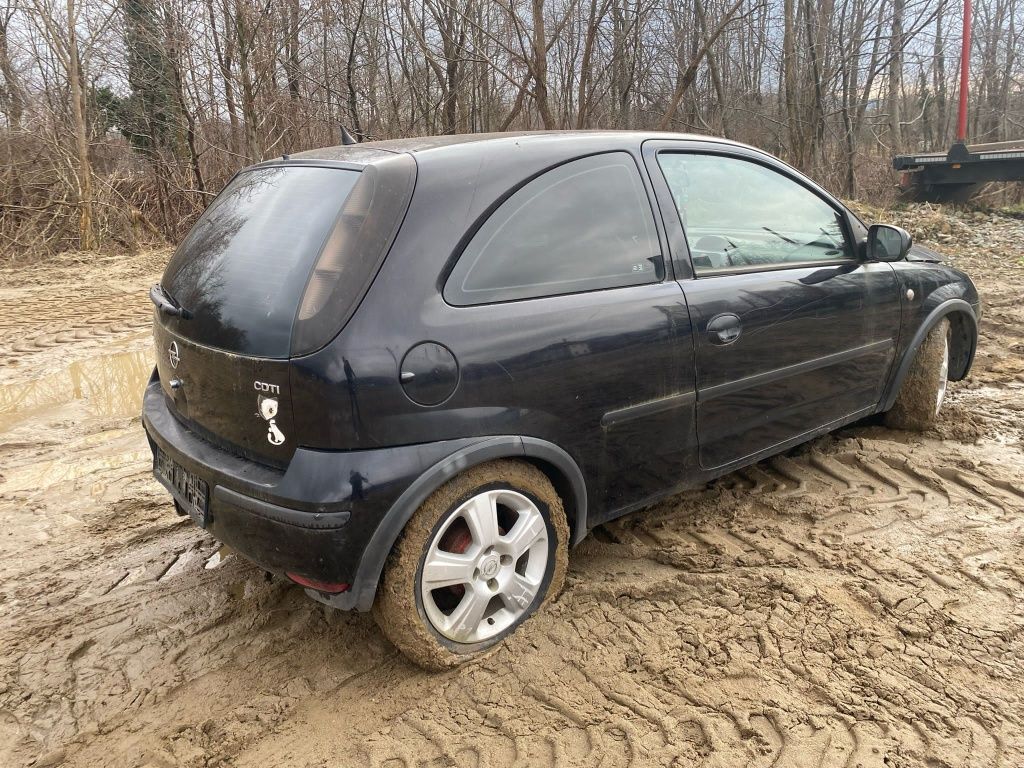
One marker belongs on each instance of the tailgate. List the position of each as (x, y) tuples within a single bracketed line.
[(240, 403)]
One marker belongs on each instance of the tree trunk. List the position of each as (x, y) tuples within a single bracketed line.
[(941, 120), (540, 66), (86, 227), (12, 82), (291, 19), (224, 52), (583, 93), (691, 71), (896, 75), (796, 143), (190, 120), (713, 70), (350, 74), (816, 20)]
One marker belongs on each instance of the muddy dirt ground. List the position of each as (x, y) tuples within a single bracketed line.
[(857, 602)]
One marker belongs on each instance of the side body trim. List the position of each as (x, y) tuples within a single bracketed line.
[(727, 388), (650, 408)]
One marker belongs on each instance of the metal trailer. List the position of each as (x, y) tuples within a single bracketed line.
[(954, 176)]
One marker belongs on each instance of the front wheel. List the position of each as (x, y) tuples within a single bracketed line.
[(924, 389), (482, 554)]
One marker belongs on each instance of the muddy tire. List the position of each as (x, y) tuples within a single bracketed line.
[(924, 389), (483, 553)]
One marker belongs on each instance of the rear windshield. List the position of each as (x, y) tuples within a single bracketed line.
[(242, 269)]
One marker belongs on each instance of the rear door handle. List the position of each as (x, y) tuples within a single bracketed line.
[(724, 328)]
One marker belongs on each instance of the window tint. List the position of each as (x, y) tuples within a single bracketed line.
[(582, 226), (740, 214), (242, 269)]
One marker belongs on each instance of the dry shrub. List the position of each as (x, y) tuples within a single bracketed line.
[(138, 202), (39, 212)]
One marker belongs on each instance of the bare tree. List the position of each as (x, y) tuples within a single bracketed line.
[(119, 119)]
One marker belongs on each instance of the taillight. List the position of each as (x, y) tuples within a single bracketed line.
[(330, 587), (337, 253), (353, 252)]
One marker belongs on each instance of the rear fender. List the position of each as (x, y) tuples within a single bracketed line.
[(371, 565)]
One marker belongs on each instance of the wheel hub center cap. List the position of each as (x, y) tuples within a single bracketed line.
[(489, 567)]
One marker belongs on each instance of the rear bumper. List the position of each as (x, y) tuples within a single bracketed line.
[(314, 518)]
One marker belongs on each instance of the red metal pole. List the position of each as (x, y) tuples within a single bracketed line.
[(965, 62)]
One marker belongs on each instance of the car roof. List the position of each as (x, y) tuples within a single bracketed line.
[(371, 151)]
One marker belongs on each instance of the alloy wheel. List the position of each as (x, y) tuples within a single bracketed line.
[(484, 566)]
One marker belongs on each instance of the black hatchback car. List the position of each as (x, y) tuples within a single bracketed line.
[(408, 375)]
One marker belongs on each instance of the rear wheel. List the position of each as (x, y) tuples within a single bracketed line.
[(482, 554), (924, 389)]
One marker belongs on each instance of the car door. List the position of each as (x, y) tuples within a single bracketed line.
[(793, 333), (561, 306)]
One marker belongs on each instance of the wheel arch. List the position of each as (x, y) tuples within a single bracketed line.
[(963, 340), (560, 468), (963, 344)]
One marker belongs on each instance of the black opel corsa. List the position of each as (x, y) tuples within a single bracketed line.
[(408, 375)]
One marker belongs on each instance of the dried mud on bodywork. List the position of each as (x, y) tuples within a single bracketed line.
[(857, 601)]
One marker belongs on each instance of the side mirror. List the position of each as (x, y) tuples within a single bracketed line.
[(887, 243)]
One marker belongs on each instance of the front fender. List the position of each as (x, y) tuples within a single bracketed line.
[(967, 325)]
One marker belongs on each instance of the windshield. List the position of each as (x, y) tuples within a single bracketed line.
[(242, 269)]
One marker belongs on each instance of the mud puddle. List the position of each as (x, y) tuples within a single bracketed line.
[(104, 386)]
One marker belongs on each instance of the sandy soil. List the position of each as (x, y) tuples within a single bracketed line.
[(857, 602)]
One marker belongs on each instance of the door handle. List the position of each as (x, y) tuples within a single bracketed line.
[(724, 329)]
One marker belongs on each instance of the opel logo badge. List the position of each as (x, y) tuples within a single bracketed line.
[(489, 567), (172, 354)]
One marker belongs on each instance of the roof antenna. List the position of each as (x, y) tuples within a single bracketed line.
[(347, 138)]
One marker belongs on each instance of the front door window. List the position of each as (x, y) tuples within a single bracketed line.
[(740, 215)]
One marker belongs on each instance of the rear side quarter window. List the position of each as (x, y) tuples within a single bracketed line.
[(582, 226)]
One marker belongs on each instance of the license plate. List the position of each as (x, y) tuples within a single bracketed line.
[(187, 489)]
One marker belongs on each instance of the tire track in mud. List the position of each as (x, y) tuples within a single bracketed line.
[(96, 331), (109, 657), (856, 602), (760, 640), (121, 619), (94, 305)]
